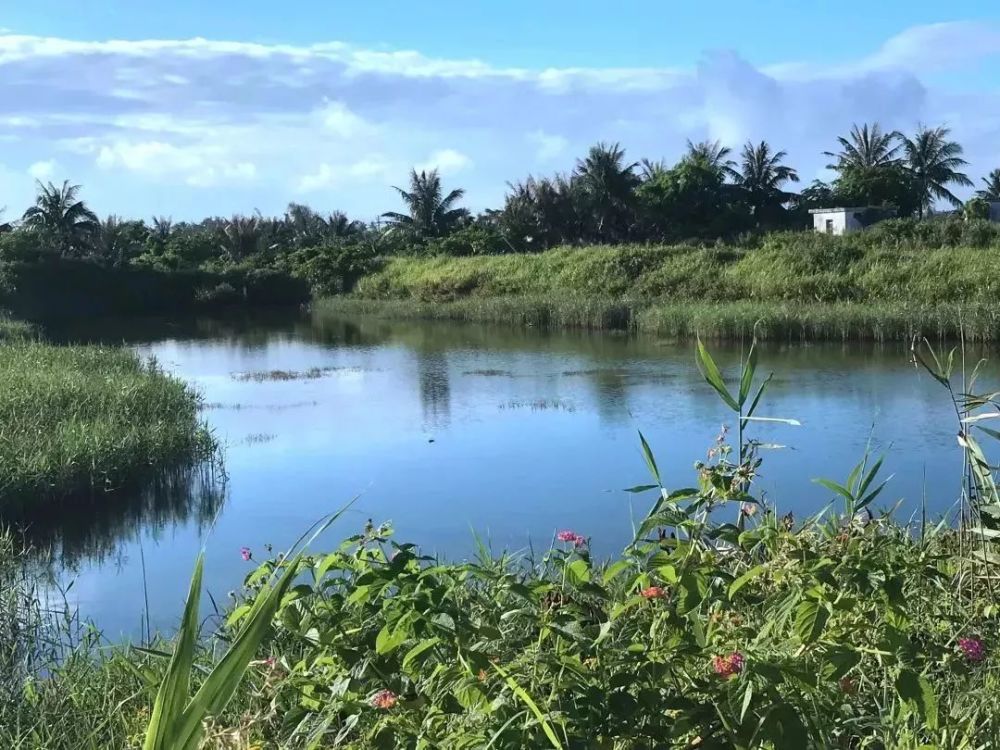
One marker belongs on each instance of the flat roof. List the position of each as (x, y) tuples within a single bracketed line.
[(840, 209)]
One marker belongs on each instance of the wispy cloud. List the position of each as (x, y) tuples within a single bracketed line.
[(160, 125)]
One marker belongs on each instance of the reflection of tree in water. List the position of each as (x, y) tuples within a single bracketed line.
[(611, 386), (435, 388), (93, 528)]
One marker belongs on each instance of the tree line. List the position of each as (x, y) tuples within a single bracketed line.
[(709, 193)]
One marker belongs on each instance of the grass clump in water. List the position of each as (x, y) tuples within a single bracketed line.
[(82, 419)]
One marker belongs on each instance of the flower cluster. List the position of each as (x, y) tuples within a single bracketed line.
[(246, 554), (653, 592), (572, 537), (385, 699), (728, 666), (972, 648)]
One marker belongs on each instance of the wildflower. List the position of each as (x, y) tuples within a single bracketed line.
[(246, 554), (728, 666), (748, 509), (972, 648), (482, 675), (848, 686), (653, 592), (572, 537), (384, 699)]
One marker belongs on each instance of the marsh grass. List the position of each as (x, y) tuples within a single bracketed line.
[(78, 419), (802, 286)]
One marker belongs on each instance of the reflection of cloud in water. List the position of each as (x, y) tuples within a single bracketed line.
[(94, 528)]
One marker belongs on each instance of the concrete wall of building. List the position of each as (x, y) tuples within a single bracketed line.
[(836, 222)]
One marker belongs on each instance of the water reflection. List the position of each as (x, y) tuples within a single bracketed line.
[(435, 389), (95, 528)]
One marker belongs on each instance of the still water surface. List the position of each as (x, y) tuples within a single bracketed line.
[(446, 430)]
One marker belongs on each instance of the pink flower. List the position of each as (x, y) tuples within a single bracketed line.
[(572, 537), (384, 699), (728, 666), (245, 554), (748, 509), (972, 648), (653, 592)]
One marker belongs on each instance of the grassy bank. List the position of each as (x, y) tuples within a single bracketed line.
[(82, 419), (801, 285), (776, 321), (721, 625)]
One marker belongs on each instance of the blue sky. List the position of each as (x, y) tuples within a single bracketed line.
[(187, 108)]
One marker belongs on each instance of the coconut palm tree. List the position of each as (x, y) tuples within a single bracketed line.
[(761, 176), (865, 148), (116, 241), (650, 170), (161, 228), (609, 184), (430, 213), (712, 155), (337, 224), (934, 161), (991, 191), (63, 217), (241, 237)]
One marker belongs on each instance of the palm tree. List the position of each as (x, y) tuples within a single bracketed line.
[(338, 225), (609, 184), (430, 212), (713, 156), (162, 228), (934, 161), (992, 190), (650, 170), (67, 220), (114, 242), (866, 148), (761, 176), (241, 237)]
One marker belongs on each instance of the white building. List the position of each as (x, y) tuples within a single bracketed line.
[(838, 220)]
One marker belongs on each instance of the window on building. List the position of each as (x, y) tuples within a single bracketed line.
[(829, 226)]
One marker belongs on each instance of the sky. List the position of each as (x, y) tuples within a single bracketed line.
[(187, 108)]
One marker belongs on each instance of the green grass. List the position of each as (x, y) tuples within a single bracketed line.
[(803, 286), (78, 419)]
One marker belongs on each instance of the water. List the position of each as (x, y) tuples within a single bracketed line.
[(447, 430)]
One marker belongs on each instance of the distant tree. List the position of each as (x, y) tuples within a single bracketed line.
[(117, 241), (866, 148), (63, 218), (688, 200), (761, 176), (161, 228), (934, 161), (818, 195), (649, 169), (991, 189), (542, 213), (430, 212), (241, 237), (976, 209), (609, 184), (714, 156), (338, 225)]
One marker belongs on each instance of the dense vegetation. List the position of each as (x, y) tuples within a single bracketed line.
[(721, 625), (88, 419), (708, 196), (900, 278)]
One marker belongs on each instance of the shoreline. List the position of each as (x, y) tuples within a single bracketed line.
[(687, 319)]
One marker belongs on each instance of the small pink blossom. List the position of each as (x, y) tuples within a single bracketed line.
[(571, 537), (385, 699), (653, 592), (246, 554), (728, 666), (972, 648), (748, 509)]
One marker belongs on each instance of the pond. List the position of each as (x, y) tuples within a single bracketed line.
[(451, 431)]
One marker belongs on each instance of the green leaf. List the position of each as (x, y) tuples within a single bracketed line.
[(749, 368), (614, 570), (917, 693), (578, 572), (837, 488), (756, 399), (744, 579), (532, 706), (650, 460), (810, 619), (641, 487), (710, 371)]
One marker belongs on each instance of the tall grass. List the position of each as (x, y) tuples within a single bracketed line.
[(803, 285), (78, 419)]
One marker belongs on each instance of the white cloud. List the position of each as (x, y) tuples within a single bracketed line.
[(146, 124), (548, 146), (327, 176), (42, 170), (447, 161)]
